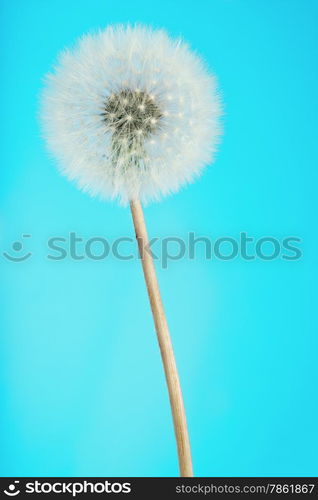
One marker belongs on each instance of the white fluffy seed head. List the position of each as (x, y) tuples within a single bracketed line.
[(131, 114)]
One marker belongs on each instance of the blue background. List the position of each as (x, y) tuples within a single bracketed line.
[(81, 379)]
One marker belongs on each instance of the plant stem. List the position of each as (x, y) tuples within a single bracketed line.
[(166, 349)]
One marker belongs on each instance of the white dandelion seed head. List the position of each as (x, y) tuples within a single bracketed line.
[(131, 114)]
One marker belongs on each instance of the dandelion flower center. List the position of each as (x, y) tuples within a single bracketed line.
[(131, 116), (131, 113)]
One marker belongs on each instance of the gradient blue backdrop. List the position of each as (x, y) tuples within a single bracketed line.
[(81, 380)]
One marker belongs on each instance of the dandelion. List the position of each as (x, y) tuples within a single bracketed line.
[(133, 115), (138, 84)]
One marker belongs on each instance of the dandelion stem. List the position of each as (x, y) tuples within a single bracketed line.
[(165, 344)]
